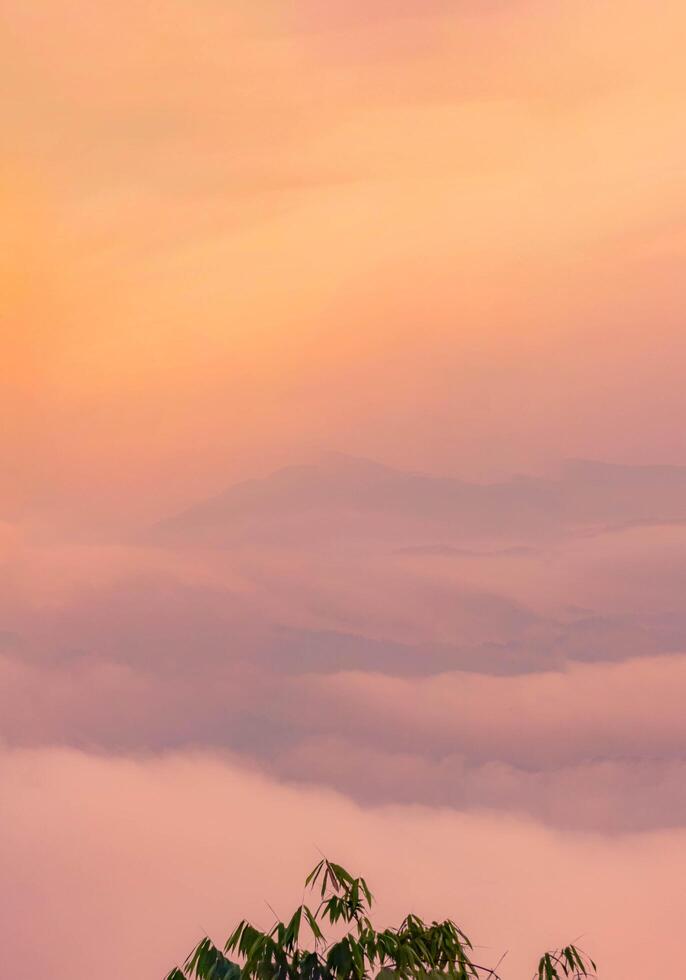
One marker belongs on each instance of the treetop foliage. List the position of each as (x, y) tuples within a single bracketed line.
[(298, 949)]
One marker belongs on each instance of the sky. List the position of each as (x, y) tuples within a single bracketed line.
[(342, 472)]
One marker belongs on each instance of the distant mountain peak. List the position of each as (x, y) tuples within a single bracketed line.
[(344, 462), (596, 468), (343, 499)]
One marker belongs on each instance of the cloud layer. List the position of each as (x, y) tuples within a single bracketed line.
[(537, 670), (126, 863)]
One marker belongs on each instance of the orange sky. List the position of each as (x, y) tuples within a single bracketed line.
[(435, 235)]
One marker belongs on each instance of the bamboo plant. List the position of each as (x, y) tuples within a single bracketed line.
[(298, 949)]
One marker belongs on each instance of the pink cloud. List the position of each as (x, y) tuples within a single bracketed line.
[(125, 863), (550, 718)]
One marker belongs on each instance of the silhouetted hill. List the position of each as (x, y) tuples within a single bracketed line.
[(342, 498)]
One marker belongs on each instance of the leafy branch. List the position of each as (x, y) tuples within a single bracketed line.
[(298, 949)]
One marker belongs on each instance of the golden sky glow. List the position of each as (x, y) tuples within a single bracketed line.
[(257, 229)]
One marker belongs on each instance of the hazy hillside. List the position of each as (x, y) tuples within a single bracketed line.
[(344, 499)]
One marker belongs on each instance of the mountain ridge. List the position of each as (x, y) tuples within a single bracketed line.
[(337, 495)]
